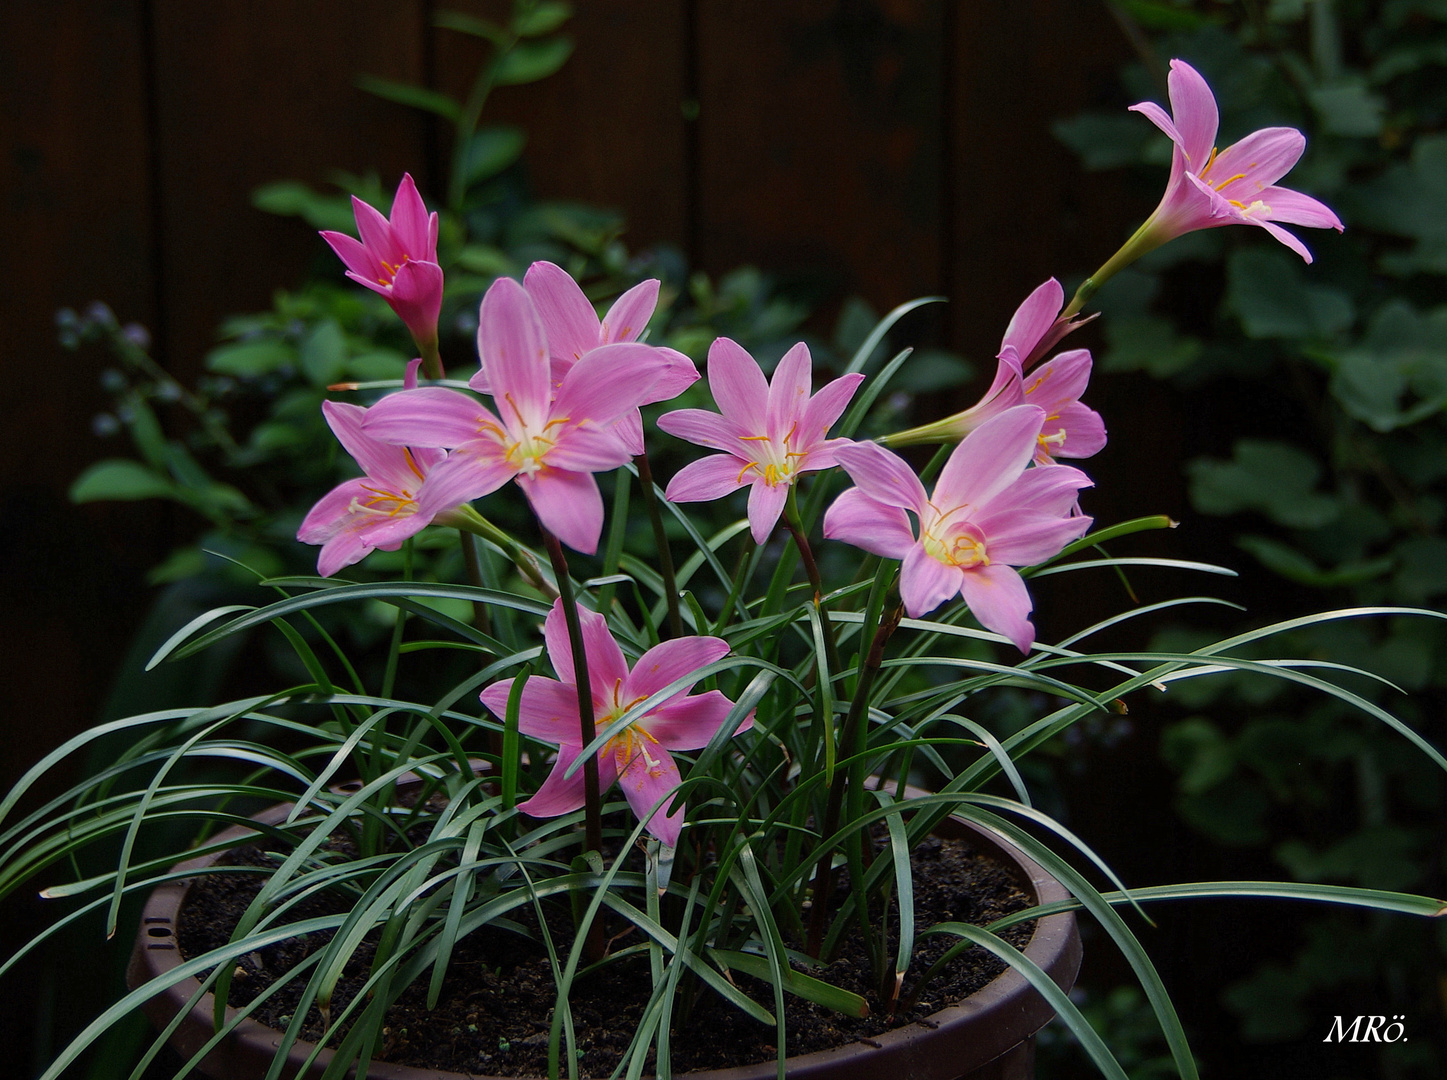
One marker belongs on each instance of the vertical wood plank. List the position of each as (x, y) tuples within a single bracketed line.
[(250, 91), (820, 147), (609, 128)]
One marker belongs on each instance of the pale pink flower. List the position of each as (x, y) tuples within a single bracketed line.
[(551, 444), (397, 259), (987, 514), (637, 757), (397, 497), (769, 433), (1208, 188), (1071, 429)]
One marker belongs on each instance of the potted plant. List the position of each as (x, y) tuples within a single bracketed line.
[(637, 833)]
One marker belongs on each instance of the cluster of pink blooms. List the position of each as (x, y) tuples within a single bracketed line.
[(566, 389)]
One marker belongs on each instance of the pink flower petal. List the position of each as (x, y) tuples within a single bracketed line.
[(706, 479), (568, 504), (514, 350), (672, 660), (866, 523), (1083, 428), (1022, 538), (738, 385), (703, 428), (826, 407), (1261, 158), (587, 448), (629, 315), (647, 780), (344, 549), (376, 234), (678, 374), (998, 598), (417, 298), (789, 392), (766, 504), (547, 710), (1285, 237), (330, 513), (1193, 107), (609, 381), (925, 583), (411, 223), (606, 666), (1046, 491), (1034, 317), (378, 460), (629, 431), (355, 257), (1294, 208), (568, 318), (1059, 382), (559, 796), (430, 416), (467, 474), (989, 459), (882, 475), (690, 723)]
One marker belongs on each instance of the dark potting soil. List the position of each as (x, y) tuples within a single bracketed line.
[(496, 1004)]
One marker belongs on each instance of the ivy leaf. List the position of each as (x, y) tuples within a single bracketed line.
[(1270, 295), (533, 60), (292, 198), (324, 353), (1104, 140), (1148, 343), (120, 479), (544, 18), (417, 97), (248, 359), (1349, 109), (1410, 200), (1403, 352), (490, 151), (1272, 478), (1285, 560)]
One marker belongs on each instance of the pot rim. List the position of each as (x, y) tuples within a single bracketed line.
[(953, 1041)]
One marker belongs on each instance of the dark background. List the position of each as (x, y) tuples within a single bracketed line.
[(890, 149)]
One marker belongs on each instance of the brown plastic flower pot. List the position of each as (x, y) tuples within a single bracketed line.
[(990, 1035)]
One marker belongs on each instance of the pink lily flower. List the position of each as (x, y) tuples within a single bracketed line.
[(550, 445), (574, 330), (397, 497), (397, 258), (1072, 429), (769, 433), (987, 515), (1208, 189), (637, 757)]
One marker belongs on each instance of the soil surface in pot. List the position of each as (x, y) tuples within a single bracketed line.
[(498, 997)]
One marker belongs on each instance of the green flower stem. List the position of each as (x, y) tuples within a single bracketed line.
[(660, 539), (1140, 242), (472, 560), (795, 525), (595, 946), (466, 519), (852, 742), (431, 358)]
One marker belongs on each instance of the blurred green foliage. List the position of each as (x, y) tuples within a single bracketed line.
[(1331, 382)]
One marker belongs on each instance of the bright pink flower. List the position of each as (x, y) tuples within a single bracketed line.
[(1208, 189), (1071, 428), (638, 757), (552, 445), (769, 433), (397, 258), (574, 330), (987, 514), (397, 497)]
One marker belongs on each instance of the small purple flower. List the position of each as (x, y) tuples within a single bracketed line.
[(769, 433), (988, 513), (637, 757)]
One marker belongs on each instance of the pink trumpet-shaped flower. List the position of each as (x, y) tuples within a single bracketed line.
[(1071, 429), (1208, 188), (551, 444), (638, 756), (397, 497), (397, 258), (769, 432), (574, 330), (987, 514)]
